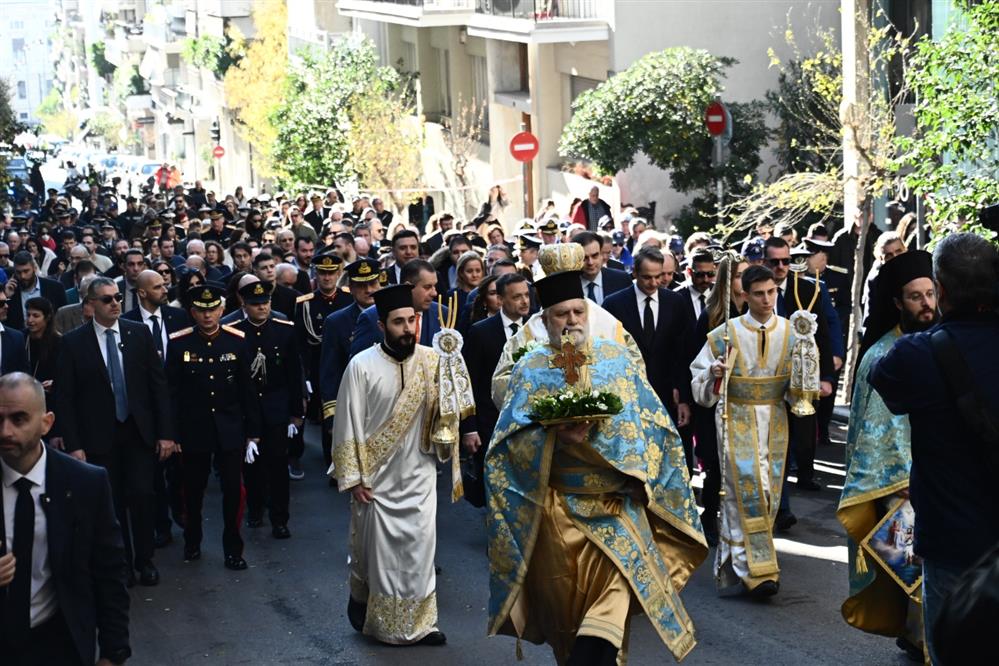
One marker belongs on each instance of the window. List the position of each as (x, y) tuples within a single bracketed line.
[(17, 46), (444, 78), (910, 18), (578, 85), (22, 90), (480, 89), (17, 25), (23, 115)]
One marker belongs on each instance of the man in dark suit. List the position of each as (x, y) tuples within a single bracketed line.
[(338, 333), (701, 270), (62, 563), (162, 321), (114, 410), (423, 277), (656, 319), (598, 282), (405, 248), (482, 350), (13, 357), (283, 298), (135, 263), (28, 284)]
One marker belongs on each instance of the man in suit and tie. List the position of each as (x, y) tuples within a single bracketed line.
[(13, 357), (701, 271), (656, 318), (482, 350), (135, 263), (422, 275), (282, 298), (405, 248), (162, 321), (27, 284), (598, 282), (114, 409), (62, 564), (70, 316)]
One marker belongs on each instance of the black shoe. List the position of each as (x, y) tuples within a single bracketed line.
[(433, 638), (191, 554), (130, 581), (764, 590), (149, 576), (808, 484), (162, 539), (785, 520), (280, 532), (910, 649), (254, 521), (235, 562), (356, 613)]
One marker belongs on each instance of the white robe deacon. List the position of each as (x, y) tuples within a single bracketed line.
[(731, 565), (381, 440)]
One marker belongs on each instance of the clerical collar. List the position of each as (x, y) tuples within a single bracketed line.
[(399, 356), (210, 336)]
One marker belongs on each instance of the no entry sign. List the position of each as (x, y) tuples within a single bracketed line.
[(524, 147), (716, 118), (218, 152)]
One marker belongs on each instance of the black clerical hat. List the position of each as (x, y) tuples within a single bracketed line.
[(559, 287), (903, 269), (393, 298)]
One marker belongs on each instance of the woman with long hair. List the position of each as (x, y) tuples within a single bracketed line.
[(487, 301), (42, 343), (188, 279), (730, 270), (166, 271), (469, 271), (215, 258)]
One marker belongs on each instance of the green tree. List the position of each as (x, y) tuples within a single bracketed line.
[(656, 106), (9, 126), (210, 52), (105, 68), (954, 154), (313, 121)]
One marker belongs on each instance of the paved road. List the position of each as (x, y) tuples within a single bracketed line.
[(289, 606)]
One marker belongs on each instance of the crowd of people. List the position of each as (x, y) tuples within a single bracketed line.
[(186, 334)]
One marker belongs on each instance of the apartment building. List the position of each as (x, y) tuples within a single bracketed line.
[(26, 28)]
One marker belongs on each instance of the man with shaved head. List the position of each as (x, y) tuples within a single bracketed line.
[(56, 510)]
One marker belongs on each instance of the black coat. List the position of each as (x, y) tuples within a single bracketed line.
[(85, 402), (86, 556), (51, 290), (281, 386), (665, 355), (13, 357), (802, 291), (614, 281), (482, 349)]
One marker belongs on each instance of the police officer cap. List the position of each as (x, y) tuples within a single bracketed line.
[(559, 287), (393, 298), (617, 238), (328, 262), (754, 249), (676, 244), (206, 296), (549, 227), (815, 245), (256, 292), (363, 270), (529, 242)]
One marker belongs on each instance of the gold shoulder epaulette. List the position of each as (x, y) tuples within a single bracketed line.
[(232, 329), (181, 333), (305, 297), (283, 321), (345, 290), (837, 269)]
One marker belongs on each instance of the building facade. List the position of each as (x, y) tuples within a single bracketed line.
[(26, 31)]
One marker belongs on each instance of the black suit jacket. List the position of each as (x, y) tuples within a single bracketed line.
[(283, 300), (13, 357), (174, 319), (688, 306), (787, 304), (86, 555), (614, 281), (85, 401), (52, 291), (482, 350), (666, 363)]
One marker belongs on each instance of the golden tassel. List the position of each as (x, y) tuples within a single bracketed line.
[(861, 561), (457, 487), (520, 650)]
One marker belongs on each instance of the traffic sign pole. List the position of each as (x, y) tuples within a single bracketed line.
[(719, 123), (524, 148)]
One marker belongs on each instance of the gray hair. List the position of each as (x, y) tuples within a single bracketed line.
[(967, 267), (281, 269), (16, 380), (98, 282)]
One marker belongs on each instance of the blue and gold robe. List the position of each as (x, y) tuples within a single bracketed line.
[(536, 487)]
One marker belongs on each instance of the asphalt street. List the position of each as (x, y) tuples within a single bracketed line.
[(289, 607)]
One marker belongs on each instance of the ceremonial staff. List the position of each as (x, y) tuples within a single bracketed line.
[(721, 384)]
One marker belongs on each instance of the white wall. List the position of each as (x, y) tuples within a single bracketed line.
[(32, 22)]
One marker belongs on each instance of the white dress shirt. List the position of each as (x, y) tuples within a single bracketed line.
[(147, 320), (695, 297), (43, 598), (102, 343), (598, 290), (1, 347), (506, 324), (642, 296)]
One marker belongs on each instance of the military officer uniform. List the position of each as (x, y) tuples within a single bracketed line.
[(217, 236), (335, 349), (276, 369), (217, 411)]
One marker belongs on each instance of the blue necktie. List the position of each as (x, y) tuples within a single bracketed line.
[(117, 379), (591, 291)]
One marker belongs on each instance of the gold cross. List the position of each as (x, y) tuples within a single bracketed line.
[(570, 360)]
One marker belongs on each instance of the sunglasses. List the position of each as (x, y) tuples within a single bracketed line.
[(786, 261), (108, 299), (3, 303), (164, 272), (703, 274)]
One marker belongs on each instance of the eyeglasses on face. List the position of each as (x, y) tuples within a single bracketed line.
[(163, 271), (108, 298), (700, 275), (785, 261)]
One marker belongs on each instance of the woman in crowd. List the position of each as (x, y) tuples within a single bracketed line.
[(470, 271), (187, 279), (487, 301), (215, 258), (166, 272), (42, 343)]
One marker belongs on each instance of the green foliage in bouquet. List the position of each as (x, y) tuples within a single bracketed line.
[(570, 404)]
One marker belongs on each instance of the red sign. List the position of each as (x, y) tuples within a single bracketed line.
[(218, 152), (716, 118), (524, 147)]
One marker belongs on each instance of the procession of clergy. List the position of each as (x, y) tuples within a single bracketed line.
[(591, 516)]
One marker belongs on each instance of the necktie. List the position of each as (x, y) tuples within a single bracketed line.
[(649, 320), (157, 335), (763, 346), (117, 378), (514, 327), (591, 291), (700, 300), (18, 611), (781, 310)]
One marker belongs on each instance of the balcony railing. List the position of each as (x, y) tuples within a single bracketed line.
[(468, 5), (540, 10)]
